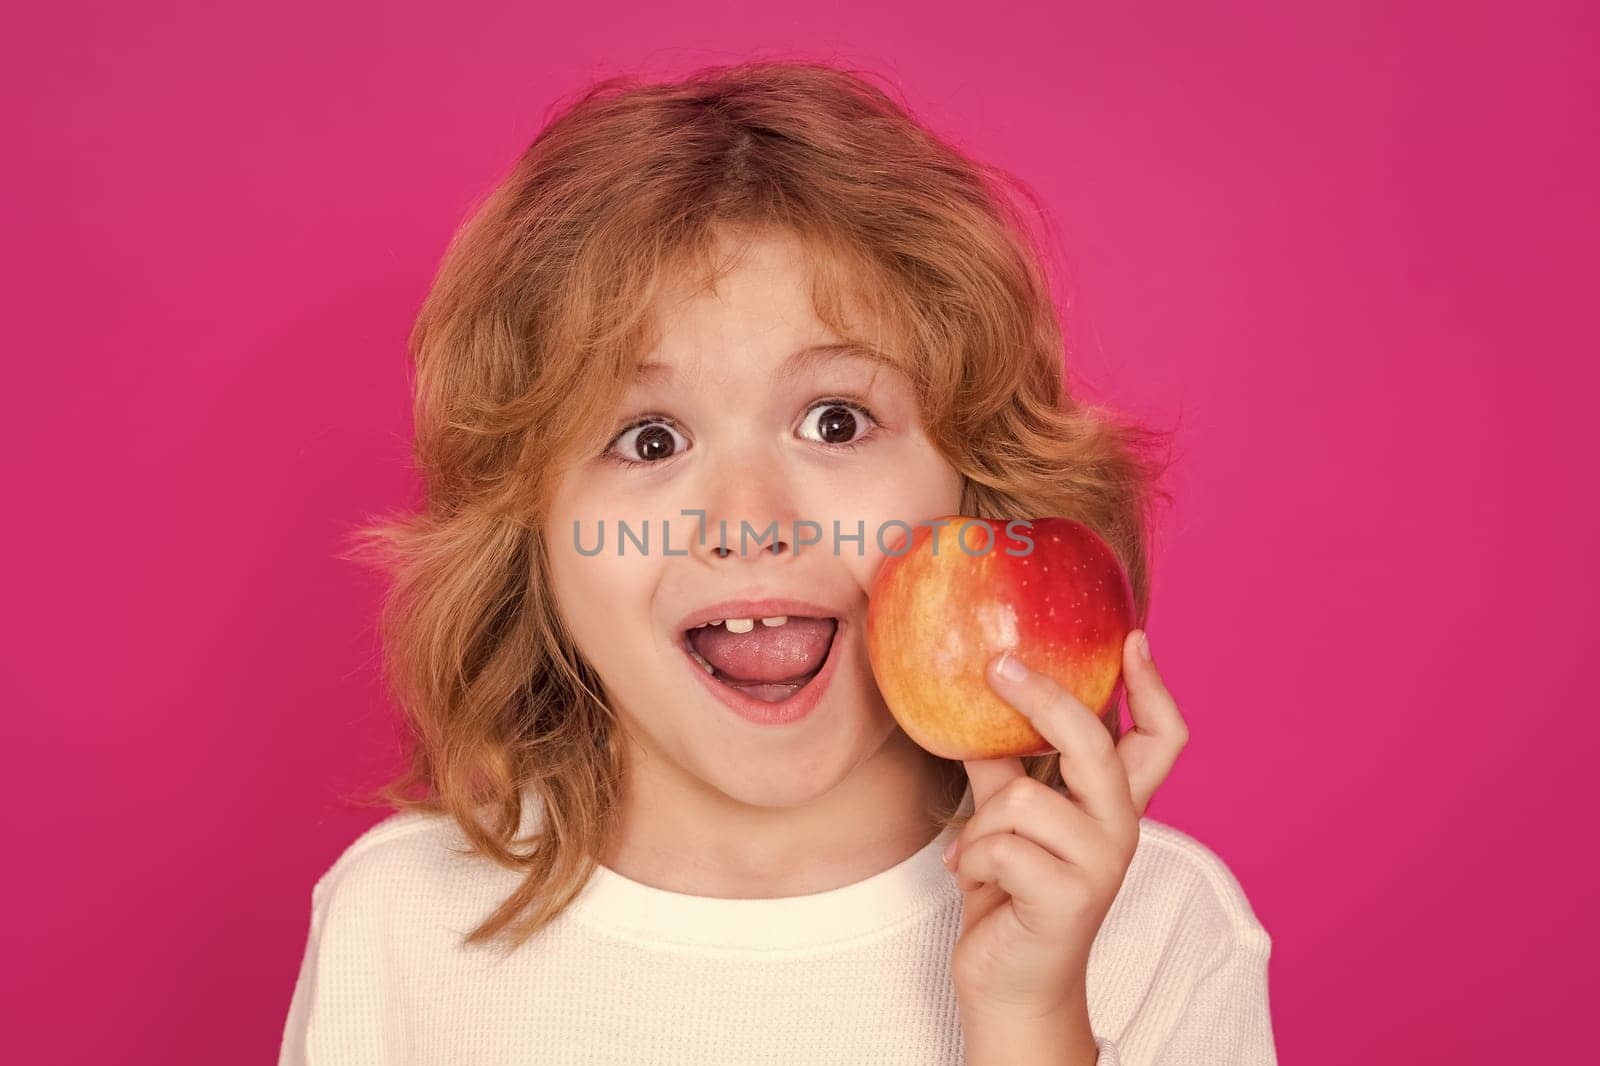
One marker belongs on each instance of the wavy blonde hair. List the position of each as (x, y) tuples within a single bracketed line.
[(541, 307)]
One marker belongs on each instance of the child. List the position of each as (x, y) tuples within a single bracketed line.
[(656, 810)]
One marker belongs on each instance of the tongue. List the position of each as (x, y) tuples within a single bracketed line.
[(767, 653)]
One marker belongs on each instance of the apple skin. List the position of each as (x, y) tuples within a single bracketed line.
[(934, 622)]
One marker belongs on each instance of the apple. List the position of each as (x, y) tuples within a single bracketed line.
[(956, 595)]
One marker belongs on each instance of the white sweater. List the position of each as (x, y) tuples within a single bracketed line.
[(632, 974)]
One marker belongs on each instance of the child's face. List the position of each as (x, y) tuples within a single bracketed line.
[(743, 444)]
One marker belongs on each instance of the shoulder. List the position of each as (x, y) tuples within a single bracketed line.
[(411, 857), (402, 860), (1177, 875), (400, 842)]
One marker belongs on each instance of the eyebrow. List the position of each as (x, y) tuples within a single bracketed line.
[(795, 364)]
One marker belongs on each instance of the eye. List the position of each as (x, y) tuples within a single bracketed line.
[(837, 423), (649, 440)]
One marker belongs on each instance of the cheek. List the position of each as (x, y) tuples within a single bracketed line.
[(916, 483), (604, 599), (912, 483), (606, 604), (602, 585)]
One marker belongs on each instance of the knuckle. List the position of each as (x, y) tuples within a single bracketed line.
[(1003, 849), (1017, 795), (1062, 702), (1102, 745)]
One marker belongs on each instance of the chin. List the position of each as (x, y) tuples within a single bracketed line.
[(795, 775)]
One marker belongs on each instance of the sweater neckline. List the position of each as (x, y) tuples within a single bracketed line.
[(622, 906)]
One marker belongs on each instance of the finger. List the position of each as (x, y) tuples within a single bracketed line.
[(989, 776), (1032, 809), (1042, 887), (1089, 763), (1159, 733)]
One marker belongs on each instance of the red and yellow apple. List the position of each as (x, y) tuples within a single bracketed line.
[(941, 606)]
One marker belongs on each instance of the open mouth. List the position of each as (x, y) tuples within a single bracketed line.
[(767, 659)]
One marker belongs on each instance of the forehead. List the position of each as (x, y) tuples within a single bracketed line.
[(801, 361), (765, 299)]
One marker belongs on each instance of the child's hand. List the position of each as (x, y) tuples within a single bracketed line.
[(1039, 867)]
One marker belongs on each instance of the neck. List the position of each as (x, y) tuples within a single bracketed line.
[(680, 834)]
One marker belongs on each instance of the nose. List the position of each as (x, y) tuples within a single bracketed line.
[(723, 537), (746, 541), (750, 516)]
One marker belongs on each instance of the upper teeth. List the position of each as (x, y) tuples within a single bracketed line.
[(745, 625)]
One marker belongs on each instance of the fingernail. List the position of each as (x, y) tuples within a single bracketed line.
[(949, 850), (1144, 646), (1011, 668)]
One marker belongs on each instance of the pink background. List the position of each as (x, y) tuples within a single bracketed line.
[(1349, 248)]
